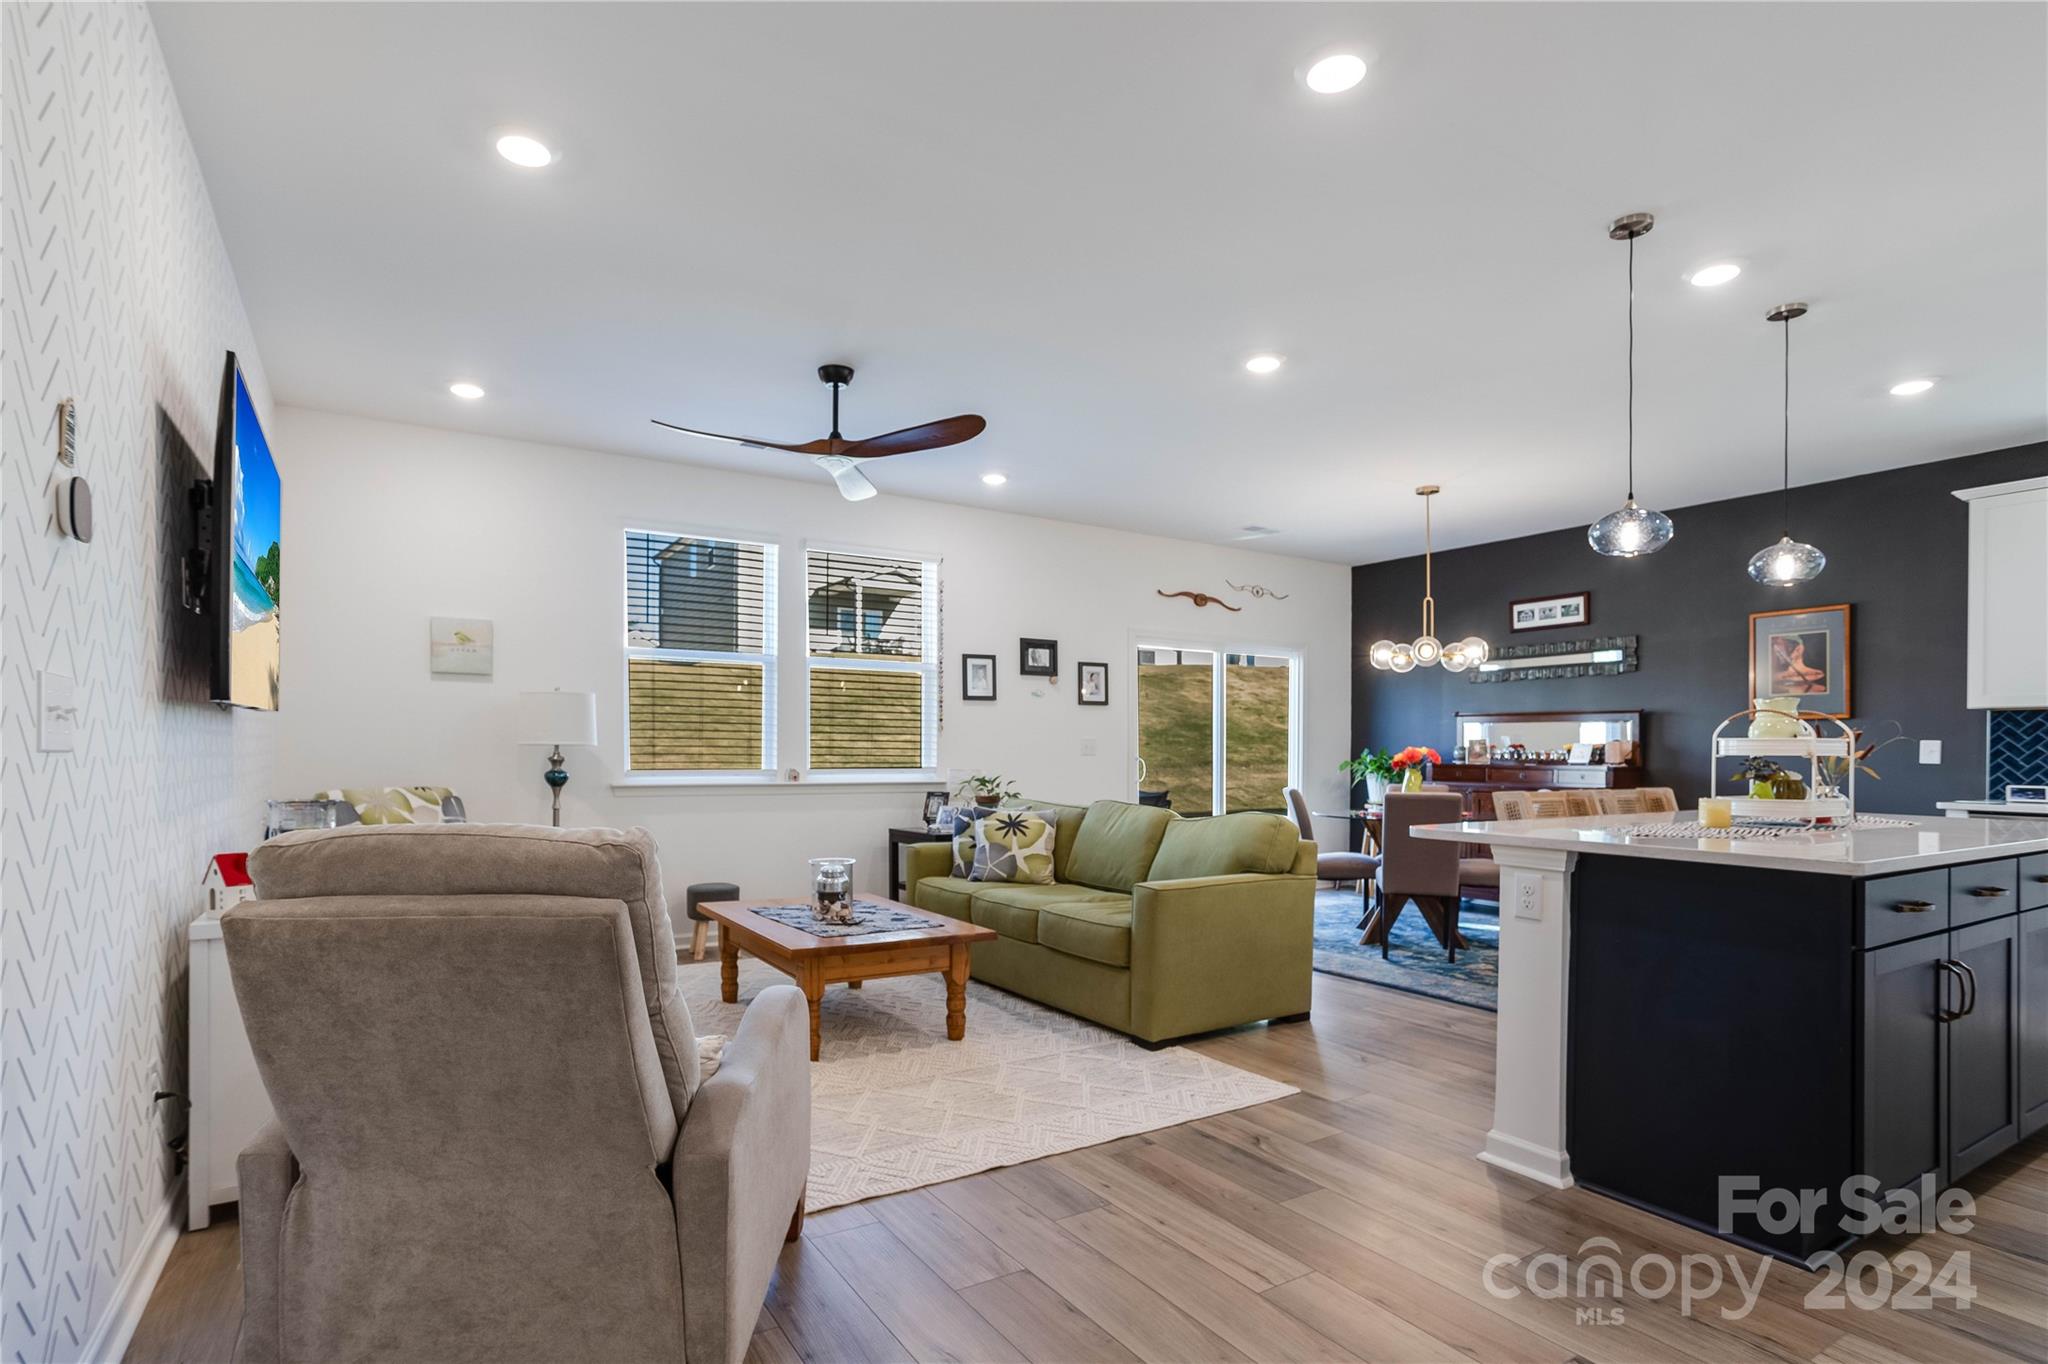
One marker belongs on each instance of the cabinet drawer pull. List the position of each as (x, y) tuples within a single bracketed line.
[(1989, 892), (2042, 879), (1969, 978), (1913, 906)]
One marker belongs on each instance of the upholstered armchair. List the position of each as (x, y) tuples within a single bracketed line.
[(494, 1139)]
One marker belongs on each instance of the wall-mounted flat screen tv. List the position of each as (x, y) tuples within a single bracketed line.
[(247, 531)]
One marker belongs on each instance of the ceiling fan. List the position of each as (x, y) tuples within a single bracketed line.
[(841, 457)]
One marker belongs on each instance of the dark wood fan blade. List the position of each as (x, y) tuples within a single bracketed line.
[(930, 436), (814, 447)]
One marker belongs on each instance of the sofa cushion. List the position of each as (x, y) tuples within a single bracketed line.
[(1099, 930), (1251, 841), (1013, 910), (946, 895), (1116, 845)]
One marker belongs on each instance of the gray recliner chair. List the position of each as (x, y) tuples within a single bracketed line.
[(493, 1139)]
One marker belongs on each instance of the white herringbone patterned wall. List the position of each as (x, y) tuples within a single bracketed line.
[(117, 292)]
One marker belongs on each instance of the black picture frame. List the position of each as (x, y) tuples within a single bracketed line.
[(1049, 668), (1559, 611), (967, 691), (1082, 672), (934, 801)]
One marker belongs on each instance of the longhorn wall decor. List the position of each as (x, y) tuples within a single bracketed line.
[(1200, 599)]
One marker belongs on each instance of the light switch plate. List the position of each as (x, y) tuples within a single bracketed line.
[(56, 712), (1930, 751), (1087, 748)]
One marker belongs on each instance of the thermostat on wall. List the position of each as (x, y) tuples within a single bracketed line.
[(2026, 795), (74, 508)]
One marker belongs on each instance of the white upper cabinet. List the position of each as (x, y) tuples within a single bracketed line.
[(2008, 659)]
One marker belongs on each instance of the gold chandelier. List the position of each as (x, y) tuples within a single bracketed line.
[(1427, 650)]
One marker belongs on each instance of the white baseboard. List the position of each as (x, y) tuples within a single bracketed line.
[(110, 1337)]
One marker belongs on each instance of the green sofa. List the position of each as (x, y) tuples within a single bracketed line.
[(1155, 925)]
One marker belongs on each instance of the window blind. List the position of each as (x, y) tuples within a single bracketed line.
[(873, 677), (700, 653)]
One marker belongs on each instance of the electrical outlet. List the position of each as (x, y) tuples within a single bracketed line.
[(1930, 751), (1529, 900), (1087, 748)]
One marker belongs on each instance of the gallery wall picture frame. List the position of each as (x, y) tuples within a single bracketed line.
[(1038, 657), (460, 646), (1802, 651), (1567, 610), (1091, 683), (977, 677)]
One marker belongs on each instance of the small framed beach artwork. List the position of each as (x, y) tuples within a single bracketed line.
[(459, 646), (1802, 653), (1551, 613)]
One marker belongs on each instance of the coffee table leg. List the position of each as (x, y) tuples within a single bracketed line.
[(956, 994), (728, 967)]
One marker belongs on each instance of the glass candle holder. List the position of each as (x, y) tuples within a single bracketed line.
[(1717, 812), (832, 889)]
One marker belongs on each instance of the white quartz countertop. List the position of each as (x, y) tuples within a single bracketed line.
[(1927, 842)]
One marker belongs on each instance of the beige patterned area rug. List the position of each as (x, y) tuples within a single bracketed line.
[(894, 1105)]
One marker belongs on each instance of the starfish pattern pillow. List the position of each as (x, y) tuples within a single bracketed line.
[(1014, 845)]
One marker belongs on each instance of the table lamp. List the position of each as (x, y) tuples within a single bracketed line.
[(554, 718)]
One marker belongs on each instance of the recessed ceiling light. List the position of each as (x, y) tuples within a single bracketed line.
[(1335, 74), (1911, 388), (1265, 364), (522, 150), (1707, 276), (463, 388), (995, 480)]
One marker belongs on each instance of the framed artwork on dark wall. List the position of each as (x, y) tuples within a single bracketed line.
[(1550, 613), (1092, 686), (977, 677), (1038, 657), (1803, 652)]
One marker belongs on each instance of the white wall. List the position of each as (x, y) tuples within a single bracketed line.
[(391, 524), (118, 294)]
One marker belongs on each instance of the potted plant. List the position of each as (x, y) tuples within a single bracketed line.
[(1374, 767), (1771, 781), (988, 792), (1412, 763)]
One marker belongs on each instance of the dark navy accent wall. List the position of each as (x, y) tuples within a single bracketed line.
[(1896, 544)]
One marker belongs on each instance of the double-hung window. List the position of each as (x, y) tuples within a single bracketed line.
[(871, 637), (700, 654)]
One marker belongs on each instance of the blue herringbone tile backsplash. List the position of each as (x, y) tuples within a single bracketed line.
[(2017, 753)]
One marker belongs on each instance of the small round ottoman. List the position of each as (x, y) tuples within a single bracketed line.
[(696, 895)]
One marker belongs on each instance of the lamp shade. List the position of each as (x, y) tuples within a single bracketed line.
[(568, 718)]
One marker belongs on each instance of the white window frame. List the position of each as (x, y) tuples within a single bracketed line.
[(770, 641), (928, 668), (1219, 651)]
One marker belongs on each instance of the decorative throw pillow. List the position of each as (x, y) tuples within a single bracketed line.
[(963, 817), (1015, 845), (393, 804)]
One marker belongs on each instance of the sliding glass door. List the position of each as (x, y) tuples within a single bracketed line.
[(1218, 728)]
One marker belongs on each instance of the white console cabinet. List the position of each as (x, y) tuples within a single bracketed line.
[(2007, 667), (229, 1105)]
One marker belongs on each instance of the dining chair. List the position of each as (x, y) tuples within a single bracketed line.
[(1361, 867), (1422, 871)]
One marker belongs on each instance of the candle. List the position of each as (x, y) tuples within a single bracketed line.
[(1717, 812)]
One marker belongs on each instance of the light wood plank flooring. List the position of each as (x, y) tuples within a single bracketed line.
[(1347, 1222)]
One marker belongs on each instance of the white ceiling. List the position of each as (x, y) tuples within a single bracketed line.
[(1077, 220)]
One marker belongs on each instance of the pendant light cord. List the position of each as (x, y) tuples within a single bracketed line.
[(1786, 512), (1428, 573), (1631, 369)]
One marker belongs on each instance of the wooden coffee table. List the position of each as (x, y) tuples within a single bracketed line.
[(814, 962)]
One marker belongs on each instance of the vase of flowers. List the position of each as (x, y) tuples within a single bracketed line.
[(1374, 767), (1412, 763)]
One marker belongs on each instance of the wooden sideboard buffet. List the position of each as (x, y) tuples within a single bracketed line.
[(1543, 730)]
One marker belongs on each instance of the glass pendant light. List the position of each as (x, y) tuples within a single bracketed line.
[(1788, 562), (1426, 650), (1632, 530)]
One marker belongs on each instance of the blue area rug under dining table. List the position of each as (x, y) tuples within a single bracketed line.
[(1415, 961)]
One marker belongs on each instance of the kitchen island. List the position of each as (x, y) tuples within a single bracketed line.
[(1785, 1012)]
